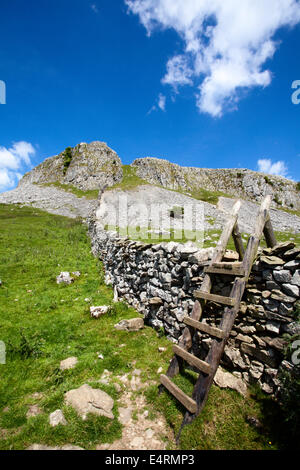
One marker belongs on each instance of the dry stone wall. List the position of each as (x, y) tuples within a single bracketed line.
[(159, 281)]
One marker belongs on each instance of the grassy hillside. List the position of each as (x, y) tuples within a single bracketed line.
[(43, 323)]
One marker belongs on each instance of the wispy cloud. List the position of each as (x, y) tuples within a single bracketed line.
[(94, 8), (277, 168), (160, 104), (14, 161), (226, 44)]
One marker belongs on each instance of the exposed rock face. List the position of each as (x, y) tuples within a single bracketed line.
[(91, 166), (237, 182)]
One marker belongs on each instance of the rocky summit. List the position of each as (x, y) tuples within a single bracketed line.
[(86, 166)]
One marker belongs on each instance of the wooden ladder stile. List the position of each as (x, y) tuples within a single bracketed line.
[(241, 272)]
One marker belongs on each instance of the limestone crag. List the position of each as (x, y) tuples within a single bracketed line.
[(89, 166), (237, 182)]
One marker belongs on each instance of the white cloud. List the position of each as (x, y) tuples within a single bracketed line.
[(226, 43), (267, 166), (162, 102), (13, 161)]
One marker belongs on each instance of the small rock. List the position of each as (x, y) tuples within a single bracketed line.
[(273, 327), (283, 276), (291, 289), (64, 278), (76, 273), (56, 418), (134, 324), (159, 370), (161, 349), (254, 422), (116, 295), (296, 279), (34, 410), (272, 261), (97, 312), (226, 380), (69, 363), (125, 415), (156, 301), (87, 400)]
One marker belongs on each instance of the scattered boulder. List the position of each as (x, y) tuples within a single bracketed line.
[(87, 400), (56, 418), (64, 278), (97, 312), (134, 324), (68, 363), (226, 380)]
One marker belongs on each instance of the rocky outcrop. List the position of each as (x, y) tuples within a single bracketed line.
[(237, 182), (86, 166)]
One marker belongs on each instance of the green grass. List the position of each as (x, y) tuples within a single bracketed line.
[(89, 194), (43, 323), (130, 179), (51, 323)]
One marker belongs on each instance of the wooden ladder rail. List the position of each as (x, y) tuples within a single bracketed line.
[(186, 339), (205, 381)]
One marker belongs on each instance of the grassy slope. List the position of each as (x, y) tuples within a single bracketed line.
[(55, 322)]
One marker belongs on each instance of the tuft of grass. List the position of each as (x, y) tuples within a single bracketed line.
[(130, 179), (67, 159)]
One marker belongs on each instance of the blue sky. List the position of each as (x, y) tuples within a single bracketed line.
[(151, 78)]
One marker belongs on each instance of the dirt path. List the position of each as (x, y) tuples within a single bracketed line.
[(139, 432)]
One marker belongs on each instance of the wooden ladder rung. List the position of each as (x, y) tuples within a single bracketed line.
[(227, 265), (192, 360), (235, 271), (188, 402), (219, 299), (205, 328)]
